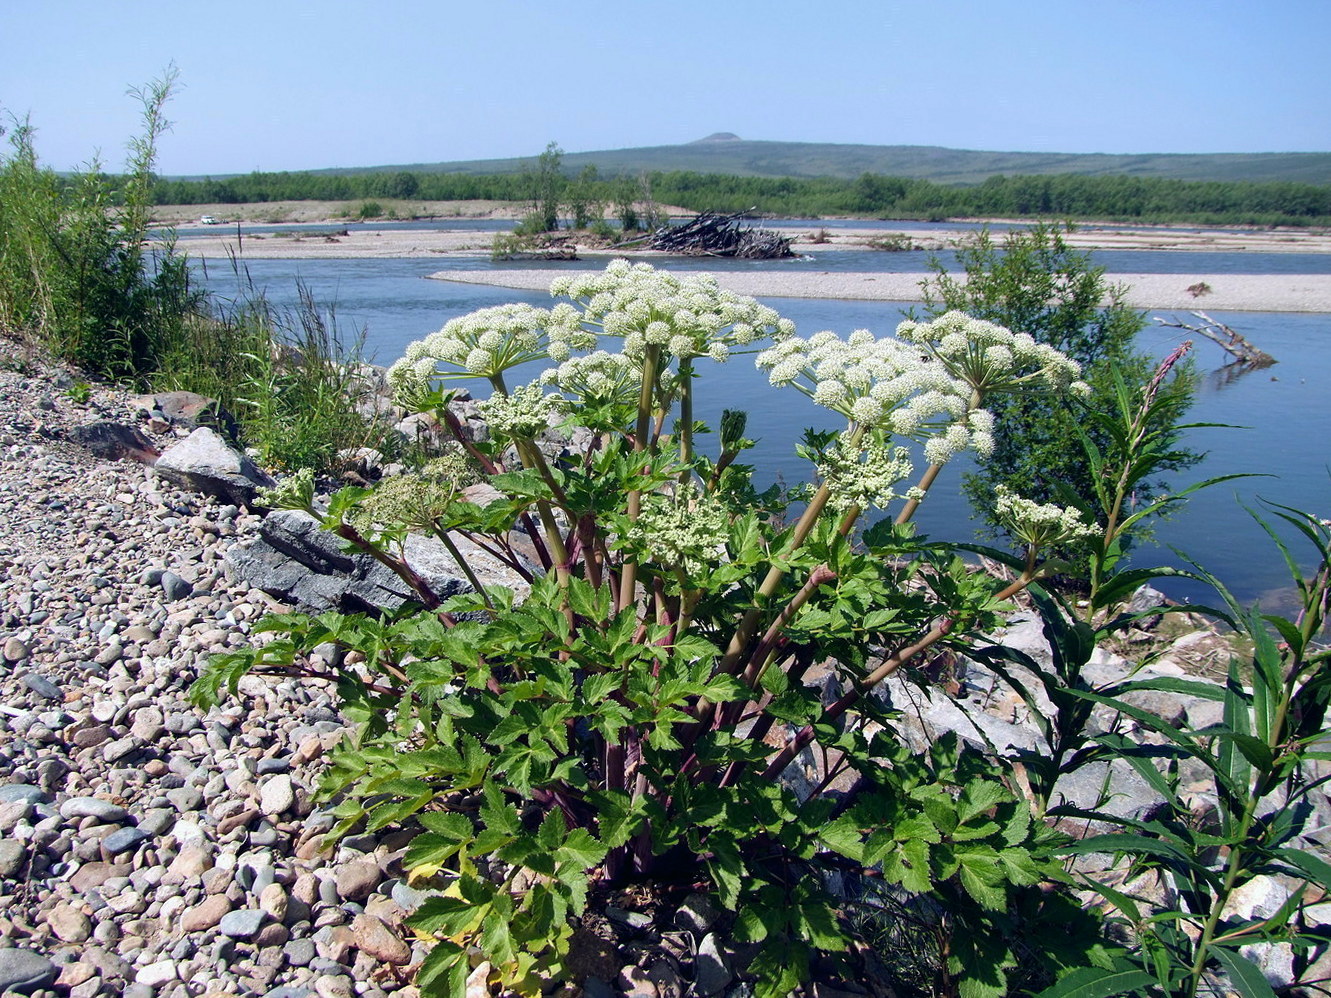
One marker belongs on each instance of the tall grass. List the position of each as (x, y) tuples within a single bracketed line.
[(74, 270), (301, 391), (77, 276)]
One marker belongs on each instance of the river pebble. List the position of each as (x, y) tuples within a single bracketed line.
[(148, 848)]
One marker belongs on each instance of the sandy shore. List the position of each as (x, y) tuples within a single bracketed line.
[(1230, 292), (340, 239)]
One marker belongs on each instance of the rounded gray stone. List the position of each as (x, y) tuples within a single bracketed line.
[(242, 924), (24, 971), (93, 807)]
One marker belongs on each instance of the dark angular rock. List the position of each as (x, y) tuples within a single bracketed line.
[(115, 442)]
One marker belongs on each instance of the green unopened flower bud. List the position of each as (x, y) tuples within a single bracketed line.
[(294, 492)]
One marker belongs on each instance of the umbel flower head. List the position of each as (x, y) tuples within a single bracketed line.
[(864, 476), (482, 344), (524, 413), (295, 492), (991, 358), (686, 316), (416, 501), (883, 385), (1041, 525), (684, 529)]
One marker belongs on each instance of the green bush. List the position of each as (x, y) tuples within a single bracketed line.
[(1035, 283), (302, 394)]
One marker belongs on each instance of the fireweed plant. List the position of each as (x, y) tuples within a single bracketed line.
[(686, 690)]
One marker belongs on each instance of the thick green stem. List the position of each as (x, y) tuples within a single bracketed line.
[(628, 580), (926, 480), (685, 417)]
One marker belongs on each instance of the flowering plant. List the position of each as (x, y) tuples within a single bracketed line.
[(687, 690)]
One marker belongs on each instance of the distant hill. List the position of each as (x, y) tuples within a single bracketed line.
[(724, 152)]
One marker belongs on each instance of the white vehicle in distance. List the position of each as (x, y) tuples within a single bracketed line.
[(208, 220)]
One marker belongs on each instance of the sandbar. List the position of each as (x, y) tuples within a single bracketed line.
[(1229, 292)]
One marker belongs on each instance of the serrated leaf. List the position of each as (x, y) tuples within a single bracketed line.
[(979, 796), (581, 849), (843, 836), (914, 872), (552, 830), (980, 876), (727, 869), (444, 971)]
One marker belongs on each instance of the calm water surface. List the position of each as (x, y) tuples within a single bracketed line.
[(1283, 410)]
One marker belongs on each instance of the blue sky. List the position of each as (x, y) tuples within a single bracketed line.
[(286, 85)]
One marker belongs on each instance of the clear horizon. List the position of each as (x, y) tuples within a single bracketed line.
[(343, 84)]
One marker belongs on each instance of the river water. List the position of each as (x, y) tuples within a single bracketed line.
[(1283, 410)]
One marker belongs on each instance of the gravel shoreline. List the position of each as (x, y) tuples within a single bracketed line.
[(147, 848)]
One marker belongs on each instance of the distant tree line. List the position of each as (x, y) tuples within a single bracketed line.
[(1147, 199)]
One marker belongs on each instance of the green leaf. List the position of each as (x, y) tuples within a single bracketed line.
[(727, 870), (843, 836), (1311, 866), (1097, 982), (1243, 973), (444, 971), (914, 871), (982, 878), (552, 830), (978, 797), (448, 915), (581, 849)]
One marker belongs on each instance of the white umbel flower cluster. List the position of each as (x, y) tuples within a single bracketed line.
[(863, 476), (883, 385), (483, 344), (685, 529), (991, 358), (523, 413), (686, 316), (1041, 525)]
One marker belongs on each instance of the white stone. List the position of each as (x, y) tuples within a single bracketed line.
[(277, 795), (156, 974)]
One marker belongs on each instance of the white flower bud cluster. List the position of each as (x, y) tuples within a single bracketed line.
[(883, 384), (686, 529), (522, 414), (686, 315), (864, 476), (1041, 525), (483, 344), (991, 358), (597, 377)]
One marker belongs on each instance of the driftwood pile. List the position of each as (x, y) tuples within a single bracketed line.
[(709, 234)]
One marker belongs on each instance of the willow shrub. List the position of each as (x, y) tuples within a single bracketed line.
[(658, 704)]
